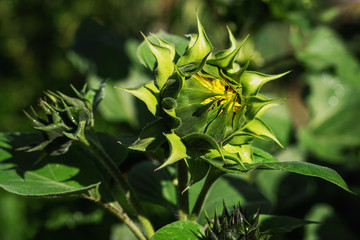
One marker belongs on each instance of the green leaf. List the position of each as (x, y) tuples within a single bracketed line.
[(253, 81), (164, 57), (270, 224), (179, 231), (148, 93), (303, 168), (198, 50), (177, 149), (38, 174)]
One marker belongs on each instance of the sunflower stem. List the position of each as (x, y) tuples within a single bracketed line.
[(182, 196), (212, 176), (93, 144), (121, 214)]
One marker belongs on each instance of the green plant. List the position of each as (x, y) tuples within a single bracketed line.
[(207, 111)]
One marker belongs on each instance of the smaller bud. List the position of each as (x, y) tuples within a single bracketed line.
[(63, 119), (234, 226)]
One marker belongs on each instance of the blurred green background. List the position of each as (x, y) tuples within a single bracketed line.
[(50, 44)]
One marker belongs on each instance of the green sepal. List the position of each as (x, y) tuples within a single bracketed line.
[(202, 143), (201, 47), (193, 67), (192, 39), (148, 93), (95, 96), (72, 101), (237, 72), (243, 151), (225, 59), (210, 71), (150, 139), (198, 169), (166, 44), (164, 57), (253, 81), (258, 105), (38, 147), (246, 153), (258, 127), (36, 122), (173, 86), (233, 45), (239, 118), (177, 149), (54, 130)]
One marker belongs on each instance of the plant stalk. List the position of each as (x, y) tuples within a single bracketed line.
[(120, 181), (182, 196), (212, 176), (120, 213)]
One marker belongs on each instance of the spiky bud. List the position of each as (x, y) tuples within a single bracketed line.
[(234, 226), (63, 119)]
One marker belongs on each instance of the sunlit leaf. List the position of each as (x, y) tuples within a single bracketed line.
[(148, 93), (178, 231)]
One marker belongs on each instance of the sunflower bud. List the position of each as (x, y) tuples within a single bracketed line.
[(234, 226), (63, 119), (208, 105)]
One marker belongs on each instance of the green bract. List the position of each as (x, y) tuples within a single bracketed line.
[(208, 106), (64, 119)]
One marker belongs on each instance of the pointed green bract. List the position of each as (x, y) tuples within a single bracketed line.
[(149, 140), (148, 93), (225, 59), (258, 105), (164, 56), (201, 47), (258, 127), (253, 81), (177, 149), (166, 44)]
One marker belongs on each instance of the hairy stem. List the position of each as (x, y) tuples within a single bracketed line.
[(182, 196), (121, 214), (120, 181), (212, 176)]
